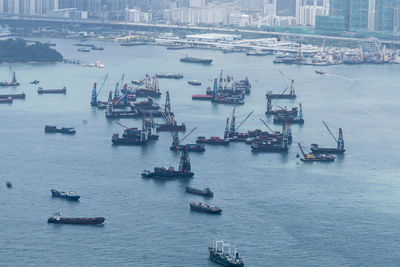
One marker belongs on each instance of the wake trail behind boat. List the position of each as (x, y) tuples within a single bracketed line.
[(338, 76)]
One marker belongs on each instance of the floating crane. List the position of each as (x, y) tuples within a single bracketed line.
[(334, 150), (176, 143), (311, 157)]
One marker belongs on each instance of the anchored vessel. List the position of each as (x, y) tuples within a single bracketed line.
[(196, 60), (184, 170), (170, 76), (202, 192), (34, 82), (13, 82), (58, 219), (6, 100), (194, 82), (290, 95), (221, 253), (289, 117), (13, 96), (71, 195), (202, 207), (311, 157), (52, 91), (330, 150), (213, 140), (176, 144), (63, 130)]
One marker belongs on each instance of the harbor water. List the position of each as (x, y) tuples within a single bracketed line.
[(278, 210)]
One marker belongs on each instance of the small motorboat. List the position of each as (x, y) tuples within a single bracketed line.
[(320, 72), (34, 82)]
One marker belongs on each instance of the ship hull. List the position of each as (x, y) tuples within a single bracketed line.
[(204, 210), (55, 193), (332, 150), (81, 221), (215, 258), (128, 142), (198, 192), (168, 176)]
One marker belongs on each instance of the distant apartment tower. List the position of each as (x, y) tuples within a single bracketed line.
[(286, 7), (387, 15)]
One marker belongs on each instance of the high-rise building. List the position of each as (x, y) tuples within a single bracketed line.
[(387, 15), (286, 8)]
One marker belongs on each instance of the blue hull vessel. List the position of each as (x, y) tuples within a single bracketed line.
[(70, 195)]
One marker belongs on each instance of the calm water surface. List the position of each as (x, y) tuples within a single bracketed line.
[(278, 210)]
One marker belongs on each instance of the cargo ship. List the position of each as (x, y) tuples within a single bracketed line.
[(206, 192), (58, 219), (162, 173), (52, 91), (71, 195), (188, 59), (13, 96), (170, 76), (13, 82), (170, 127), (202, 207), (214, 140), (221, 253), (63, 130), (269, 146), (83, 50), (149, 88)]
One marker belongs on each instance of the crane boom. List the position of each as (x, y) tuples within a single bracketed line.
[(248, 116), (266, 125), (302, 151), (120, 124), (187, 135), (102, 85), (329, 131)]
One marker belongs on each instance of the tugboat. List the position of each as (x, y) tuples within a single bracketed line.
[(184, 170), (71, 195), (206, 192), (58, 219), (187, 59), (202, 207), (194, 82), (34, 82), (219, 255)]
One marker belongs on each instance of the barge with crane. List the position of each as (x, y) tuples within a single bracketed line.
[(316, 149)]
